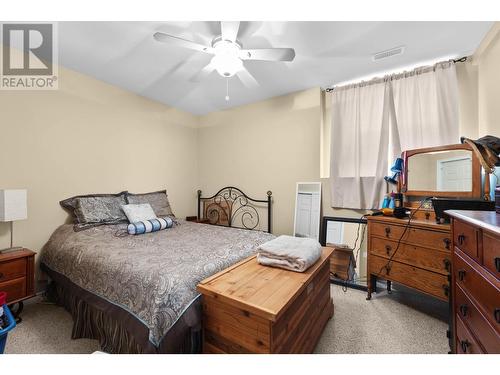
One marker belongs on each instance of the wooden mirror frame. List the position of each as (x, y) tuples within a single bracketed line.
[(476, 174)]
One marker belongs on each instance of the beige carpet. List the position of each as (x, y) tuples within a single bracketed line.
[(403, 322)]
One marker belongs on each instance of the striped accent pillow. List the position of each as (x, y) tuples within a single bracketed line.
[(152, 225)]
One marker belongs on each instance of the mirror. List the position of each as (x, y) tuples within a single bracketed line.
[(307, 210), (441, 171)]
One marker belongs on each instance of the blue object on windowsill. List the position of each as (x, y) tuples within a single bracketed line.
[(6, 330)]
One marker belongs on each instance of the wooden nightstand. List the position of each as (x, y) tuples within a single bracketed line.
[(195, 219), (17, 277)]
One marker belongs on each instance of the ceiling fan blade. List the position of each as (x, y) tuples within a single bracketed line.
[(229, 30), (247, 79), (202, 74), (268, 54), (174, 40)]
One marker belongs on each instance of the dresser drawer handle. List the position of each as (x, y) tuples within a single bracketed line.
[(387, 231), (464, 344), (447, 243), (1, 275), (461, 239), (388, 249), (446, 290), (447, 265), (461, 275), (497, 264), (496, 314), (463, 310)]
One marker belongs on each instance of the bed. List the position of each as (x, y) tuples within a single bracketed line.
[(137, 294)]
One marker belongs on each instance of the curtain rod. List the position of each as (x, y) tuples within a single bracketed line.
[(459, 60)]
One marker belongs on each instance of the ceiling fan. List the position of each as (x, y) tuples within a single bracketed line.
[(228, 53)]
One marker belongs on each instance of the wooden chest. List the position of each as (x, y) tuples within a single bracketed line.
[(476, 281), (417, 255), (250, 308)]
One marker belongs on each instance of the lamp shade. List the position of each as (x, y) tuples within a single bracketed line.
[(13, 205)]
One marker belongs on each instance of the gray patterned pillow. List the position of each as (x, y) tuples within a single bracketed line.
[(158, 201), (95, 209)]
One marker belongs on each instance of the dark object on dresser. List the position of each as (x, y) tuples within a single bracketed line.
[(231, 207), (442, 204), (17, 278), (476, 281)]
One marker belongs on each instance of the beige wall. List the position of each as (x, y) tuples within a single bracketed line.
[(270, 145), (90, 137), (487, 60)]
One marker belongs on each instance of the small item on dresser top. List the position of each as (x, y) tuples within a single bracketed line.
[(291, 253), (152, 225), (138, 212), (396, 169), (399, 210)]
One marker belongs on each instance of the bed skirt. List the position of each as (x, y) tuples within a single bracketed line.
[(117, 330)]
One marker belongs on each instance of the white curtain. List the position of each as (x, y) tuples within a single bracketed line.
[(362, 117), (373, 122), (426, 105)]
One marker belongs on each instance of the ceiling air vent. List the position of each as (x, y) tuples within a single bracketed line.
[(388, 53)]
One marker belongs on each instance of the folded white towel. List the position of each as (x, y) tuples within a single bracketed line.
[(291, 253)]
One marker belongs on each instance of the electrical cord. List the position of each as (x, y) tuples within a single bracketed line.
[(407, 226)]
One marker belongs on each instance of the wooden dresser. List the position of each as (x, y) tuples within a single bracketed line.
[(17, 277), (422, 260), (476, 281), (250, 308)]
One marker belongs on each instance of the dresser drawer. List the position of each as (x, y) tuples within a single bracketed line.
[(416, 236), (15, 288), (466, 343), (465, 238), (491, 254), (12, 269), (426, 281), (433, 260), (478, 324), (484, 289)]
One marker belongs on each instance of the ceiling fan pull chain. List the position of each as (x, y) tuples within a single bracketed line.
[(227, 89)]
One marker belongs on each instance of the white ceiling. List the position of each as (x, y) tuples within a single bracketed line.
[(126, 55)]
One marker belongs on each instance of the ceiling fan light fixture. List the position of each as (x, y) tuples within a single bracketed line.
[(226, 65)]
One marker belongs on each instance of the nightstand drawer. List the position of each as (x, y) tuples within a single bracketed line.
[(12, 269), (16, 289)]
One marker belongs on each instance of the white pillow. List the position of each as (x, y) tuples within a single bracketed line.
[(138, 212)]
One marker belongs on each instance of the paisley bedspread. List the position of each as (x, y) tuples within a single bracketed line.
[(153, 275)]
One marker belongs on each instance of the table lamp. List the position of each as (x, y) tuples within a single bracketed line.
[(13, 206)]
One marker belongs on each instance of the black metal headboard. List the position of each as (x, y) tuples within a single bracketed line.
[(232, 208)]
